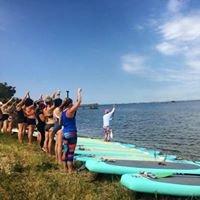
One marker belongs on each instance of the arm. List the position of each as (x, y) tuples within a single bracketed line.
[(4, 105), (111, 112), (13, 104), (23, 100), (41, 97), (76, 105), (53, 95)]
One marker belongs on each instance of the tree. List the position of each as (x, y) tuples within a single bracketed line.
[(6, 91)]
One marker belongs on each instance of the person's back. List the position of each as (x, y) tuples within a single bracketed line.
[(68, 123), (107, 117)]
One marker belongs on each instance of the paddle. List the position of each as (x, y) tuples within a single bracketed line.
[(67, 93)]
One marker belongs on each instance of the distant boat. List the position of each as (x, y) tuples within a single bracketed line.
[(173, 101), (94, 106), (91, 106)]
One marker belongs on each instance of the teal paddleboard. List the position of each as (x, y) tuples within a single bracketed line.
[(136, 166), (174, 184), (88, 148)]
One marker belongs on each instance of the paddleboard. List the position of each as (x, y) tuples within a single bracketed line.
[(174, 184), (136, 166), (88, 148)]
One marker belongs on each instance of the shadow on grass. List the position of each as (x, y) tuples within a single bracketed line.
[(19, 167), (45, 166)]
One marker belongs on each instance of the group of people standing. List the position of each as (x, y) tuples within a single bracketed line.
[(53, 118)]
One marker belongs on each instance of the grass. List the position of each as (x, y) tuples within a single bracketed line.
[(28, 173)]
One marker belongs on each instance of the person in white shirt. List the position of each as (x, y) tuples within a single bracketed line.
[(107, 117)]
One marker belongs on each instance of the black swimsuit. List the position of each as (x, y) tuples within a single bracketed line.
[(31, 121), (4, 117), (20, 117), (40, 127), (49, 126), (40, 124)]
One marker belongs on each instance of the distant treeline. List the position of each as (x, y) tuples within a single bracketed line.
[(6, 91)]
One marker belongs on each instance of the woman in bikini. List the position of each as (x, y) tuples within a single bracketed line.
[(21, 119), (40, 123), (11, 113), (58, 129), (29, 110), (48, 114), (5, 114)]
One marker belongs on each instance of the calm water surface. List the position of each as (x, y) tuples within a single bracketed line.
[(170, 127)]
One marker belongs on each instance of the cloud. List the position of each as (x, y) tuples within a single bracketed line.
[(167, 48), (139, 27), (182, 29), (194, 64), (133, 63), (179, 42), (175, 6), (181, 36)]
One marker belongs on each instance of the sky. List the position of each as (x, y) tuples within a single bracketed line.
[(117, 51)]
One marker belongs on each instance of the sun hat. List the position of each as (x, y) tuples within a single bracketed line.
[(48, 99), (107, 111)]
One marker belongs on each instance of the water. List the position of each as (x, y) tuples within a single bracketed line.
[(170, 127)]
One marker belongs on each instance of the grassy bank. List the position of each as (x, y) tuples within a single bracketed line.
[(27, 173)]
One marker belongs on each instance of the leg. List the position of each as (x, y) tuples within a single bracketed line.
[(50, 143), (5, 125), (70, 157), (20, 132), (59, 147), (56, 148), (105, 134), (42, 138), (108, 135), (1, 125), (10, 126), (45, 147), (30, 133), (24, 129), (39, 137), (65, 153)]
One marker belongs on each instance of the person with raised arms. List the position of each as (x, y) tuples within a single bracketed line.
[(107, 117), (30, 108), (21, 118), (11, 112), (69, 132), (57, 130), (40, 122), (5, 114), (48, 114)]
